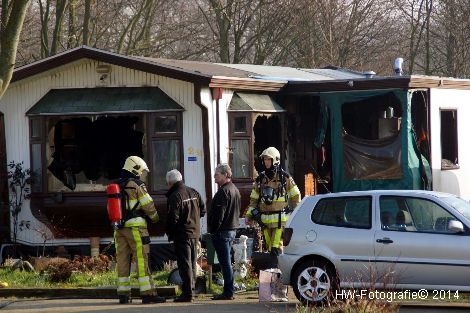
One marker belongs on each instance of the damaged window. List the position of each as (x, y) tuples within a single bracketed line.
[(449, 139), (267, 133), (84, 153), (371, 138)]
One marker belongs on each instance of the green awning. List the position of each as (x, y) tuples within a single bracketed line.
[(254, 102), (104, 100)]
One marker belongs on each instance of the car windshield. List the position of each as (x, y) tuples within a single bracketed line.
[(459, 204)]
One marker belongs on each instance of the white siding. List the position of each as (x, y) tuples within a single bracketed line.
[(22, 95), (452, 181)]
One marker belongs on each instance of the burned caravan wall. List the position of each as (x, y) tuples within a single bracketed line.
[(308, 143), (449, 126), (82, 212), (373, 142)]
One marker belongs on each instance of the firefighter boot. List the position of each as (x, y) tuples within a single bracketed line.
[(124, 299), (147, 299)]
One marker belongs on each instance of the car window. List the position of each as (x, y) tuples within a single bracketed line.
[(459, 204), (413, 215), (343, 212)]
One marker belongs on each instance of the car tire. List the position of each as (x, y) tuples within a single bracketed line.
[(314, 281)]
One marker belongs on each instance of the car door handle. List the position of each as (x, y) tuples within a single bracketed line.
[(384, 240)]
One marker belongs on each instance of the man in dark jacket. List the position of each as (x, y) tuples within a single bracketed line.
[(222, 223), (185, 209)]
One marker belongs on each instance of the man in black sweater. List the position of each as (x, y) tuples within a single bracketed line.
[(222, 223), (185, 209)]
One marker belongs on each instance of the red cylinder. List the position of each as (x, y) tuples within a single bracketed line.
[(114, 203)]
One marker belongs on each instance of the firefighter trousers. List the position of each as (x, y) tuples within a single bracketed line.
[(133, 242), (273, 237)]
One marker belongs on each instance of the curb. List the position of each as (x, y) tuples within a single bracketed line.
[(85, 293)]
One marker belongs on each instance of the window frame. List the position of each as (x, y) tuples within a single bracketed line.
[(455, 138), (152, 136), (41, 140), (247, 135)]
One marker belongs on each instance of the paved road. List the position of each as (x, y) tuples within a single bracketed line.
[(246, 304)]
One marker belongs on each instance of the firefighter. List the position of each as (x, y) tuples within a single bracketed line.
[(132, 238), (273, 198)]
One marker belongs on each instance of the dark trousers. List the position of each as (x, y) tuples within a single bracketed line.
[(185, 250), (222, 242)]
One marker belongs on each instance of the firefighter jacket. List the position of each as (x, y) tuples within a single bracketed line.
[(141, 204), (285, 197)]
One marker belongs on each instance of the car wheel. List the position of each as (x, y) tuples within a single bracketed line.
[(314, 281)]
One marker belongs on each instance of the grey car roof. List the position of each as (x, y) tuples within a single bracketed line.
[(389, 192)]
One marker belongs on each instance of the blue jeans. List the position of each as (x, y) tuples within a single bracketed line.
[(223, 241)]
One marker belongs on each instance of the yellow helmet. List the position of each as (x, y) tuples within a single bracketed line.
[(135, 165), (272, 153)]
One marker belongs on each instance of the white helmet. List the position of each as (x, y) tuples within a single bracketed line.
[(135, 165), (272, 153)]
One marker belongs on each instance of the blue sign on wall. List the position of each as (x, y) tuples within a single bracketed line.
[(192, 158)]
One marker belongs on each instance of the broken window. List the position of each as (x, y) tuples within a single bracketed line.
[(371, 138), (84, 153), (267, 133), (449, 139)]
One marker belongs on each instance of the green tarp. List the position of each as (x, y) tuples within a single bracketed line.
[(415, 170), (103, 100)]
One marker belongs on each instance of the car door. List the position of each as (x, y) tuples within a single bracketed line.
[(343, 227), (413, 247)]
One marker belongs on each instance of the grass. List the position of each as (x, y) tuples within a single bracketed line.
[(23, 279)]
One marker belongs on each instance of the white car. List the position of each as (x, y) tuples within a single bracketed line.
[(397, 239)]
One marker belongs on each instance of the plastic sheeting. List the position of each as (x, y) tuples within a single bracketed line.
[(372, 159)]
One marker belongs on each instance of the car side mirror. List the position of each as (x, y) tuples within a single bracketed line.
[(455, 226)]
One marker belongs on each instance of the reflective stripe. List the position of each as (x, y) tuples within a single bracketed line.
[(274, 218), (276, 241), (132, 203), (254, 194), (135, 222), (145, 199), (144, 283), (140, 254), (124, 280), (123, 284), (248, 212), (280, 199), (115, 241), (154, 217), (267, 238), (123, 288), (294, 191)]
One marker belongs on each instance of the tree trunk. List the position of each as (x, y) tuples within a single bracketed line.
[(44, 15), (61, 5), (9, 39), (72, 31), (86, 23)]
